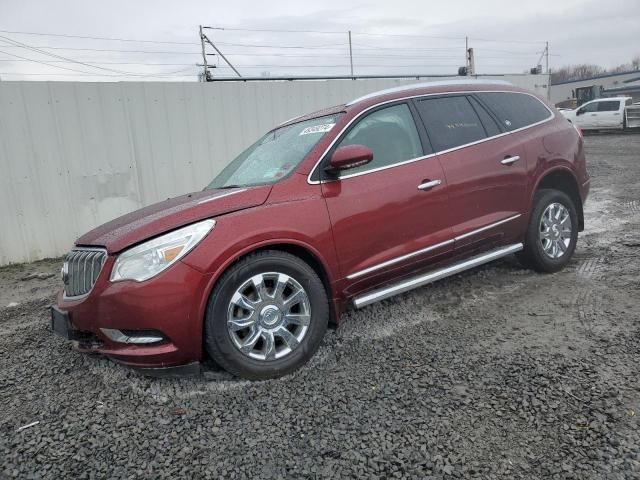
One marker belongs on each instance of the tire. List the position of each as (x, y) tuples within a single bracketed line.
[(552, 258), (251, 305)]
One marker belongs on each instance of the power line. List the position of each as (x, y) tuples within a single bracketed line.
[(400, 35), (315, 51), (273, 31), (406, 35), (133, 74), (332, 46), (376, 47), (42, 52), (109, 50), (91, 75), (170, 43), (235, 29), (99, 63), (505, 41), (81, 71), (43, 63), (362, 65), (256, 54), (173, 52), (98, 38)]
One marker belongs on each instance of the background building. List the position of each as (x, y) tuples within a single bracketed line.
[(565, 92)]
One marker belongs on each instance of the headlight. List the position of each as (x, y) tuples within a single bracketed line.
[(150, 258)]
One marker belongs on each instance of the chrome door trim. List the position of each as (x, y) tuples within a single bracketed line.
[(405, 162), (429, 185), (395, 260), (486, 227), (422, 95), (402, 258), (406, 285), (510, 160)]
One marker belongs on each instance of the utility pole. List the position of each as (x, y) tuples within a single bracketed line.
[(466, 52), (471, 62), (206, 39), (207, 76), (350, 54), (546, 57)]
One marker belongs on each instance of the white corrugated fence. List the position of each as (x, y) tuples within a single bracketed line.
[(74, 155)]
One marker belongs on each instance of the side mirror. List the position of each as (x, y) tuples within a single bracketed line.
[(349, 156)]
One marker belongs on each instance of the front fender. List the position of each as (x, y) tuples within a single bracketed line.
[(238, 234)]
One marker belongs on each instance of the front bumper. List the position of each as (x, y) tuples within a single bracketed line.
[(170, 303)]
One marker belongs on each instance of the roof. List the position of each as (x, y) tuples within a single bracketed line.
[(426, 85), (606, 75), (631, 87), (602, 99), (424, 88), (318, 113)]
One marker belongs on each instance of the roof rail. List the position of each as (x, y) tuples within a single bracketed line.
[(427, 84)]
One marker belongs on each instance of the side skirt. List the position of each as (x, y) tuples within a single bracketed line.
[(406, 285)]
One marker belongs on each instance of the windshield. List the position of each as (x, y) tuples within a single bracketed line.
[(275, 155)]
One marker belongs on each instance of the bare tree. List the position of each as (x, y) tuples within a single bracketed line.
[(584, 71), (575, 72)]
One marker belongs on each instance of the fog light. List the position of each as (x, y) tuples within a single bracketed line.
[(133, 336)]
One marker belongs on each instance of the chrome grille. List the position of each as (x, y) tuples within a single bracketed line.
[(81, 269)]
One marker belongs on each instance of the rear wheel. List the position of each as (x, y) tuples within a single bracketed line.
[(552, 233), (266, 316)]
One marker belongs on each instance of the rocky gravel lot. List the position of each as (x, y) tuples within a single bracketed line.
[(496, 373)]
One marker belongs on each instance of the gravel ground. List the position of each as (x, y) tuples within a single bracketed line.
[(496, 373)]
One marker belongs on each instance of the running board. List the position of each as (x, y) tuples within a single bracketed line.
[(405, 286)]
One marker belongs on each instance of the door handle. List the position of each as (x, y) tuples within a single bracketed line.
[(429, 184), (510, 160)]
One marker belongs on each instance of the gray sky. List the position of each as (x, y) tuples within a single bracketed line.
[(389, 37)]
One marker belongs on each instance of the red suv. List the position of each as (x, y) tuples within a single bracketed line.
[(343, 207)]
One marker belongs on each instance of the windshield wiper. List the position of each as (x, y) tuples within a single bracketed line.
[(229, 186)]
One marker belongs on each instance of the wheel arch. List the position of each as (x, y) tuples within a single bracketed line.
[(563, 179), (306, 254), (301, 250)]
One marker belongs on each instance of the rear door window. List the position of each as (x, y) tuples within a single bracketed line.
[(609, 106), (490, 125), (450, 121), (515, 110)]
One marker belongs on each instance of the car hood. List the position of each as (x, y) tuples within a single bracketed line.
[(170, 214)]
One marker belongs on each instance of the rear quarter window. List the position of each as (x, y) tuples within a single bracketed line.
[(515, 110)]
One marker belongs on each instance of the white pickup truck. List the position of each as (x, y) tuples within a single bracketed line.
[(616, 113)]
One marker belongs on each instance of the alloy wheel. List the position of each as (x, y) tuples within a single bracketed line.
[(268, 316), (555, 230)]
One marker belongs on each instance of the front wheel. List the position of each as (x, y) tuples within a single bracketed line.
[(266, 316), (552, 233)]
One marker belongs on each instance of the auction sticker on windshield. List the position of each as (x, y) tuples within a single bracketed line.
[(317, 129)]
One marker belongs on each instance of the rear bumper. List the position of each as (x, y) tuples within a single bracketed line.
[(168, 304)]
